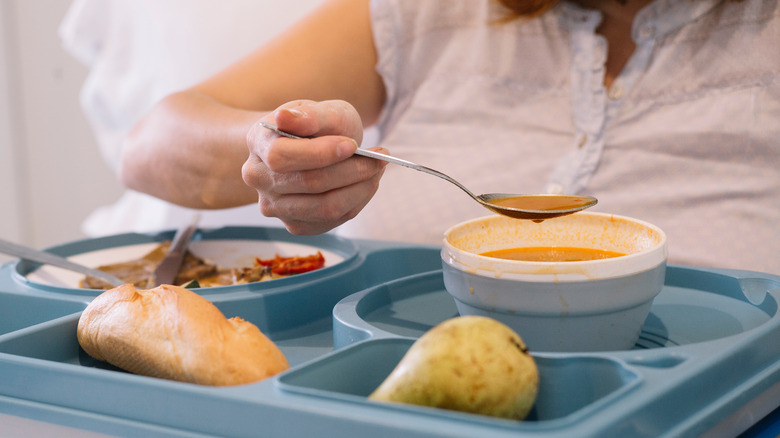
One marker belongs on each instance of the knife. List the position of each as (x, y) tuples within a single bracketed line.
[(169, 266), (48, 258)]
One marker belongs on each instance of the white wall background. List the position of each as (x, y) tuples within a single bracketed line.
[(51, 174)]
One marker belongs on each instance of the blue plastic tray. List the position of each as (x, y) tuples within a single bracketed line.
[(708, 358)]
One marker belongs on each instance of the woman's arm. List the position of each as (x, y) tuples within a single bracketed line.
[(191, 147)]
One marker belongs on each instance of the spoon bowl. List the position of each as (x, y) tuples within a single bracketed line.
[(535, 207), (531, 207)]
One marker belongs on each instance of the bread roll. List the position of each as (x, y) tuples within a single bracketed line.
[(173, 333)]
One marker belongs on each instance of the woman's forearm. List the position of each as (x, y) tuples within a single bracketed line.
[(191, 147), (189, 150)]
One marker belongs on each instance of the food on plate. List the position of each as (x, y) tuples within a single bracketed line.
[(140, 272), (173, 333), (469, 363), (261, 270), (552, 254)]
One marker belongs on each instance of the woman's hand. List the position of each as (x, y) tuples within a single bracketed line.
[(190, 148), (315, 184)]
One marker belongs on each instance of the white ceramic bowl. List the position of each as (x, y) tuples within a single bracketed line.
[(595, 305)]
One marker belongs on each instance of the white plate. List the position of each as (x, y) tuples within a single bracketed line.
[(225, 253)]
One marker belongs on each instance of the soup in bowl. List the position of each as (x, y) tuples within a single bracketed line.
[(582, 282)]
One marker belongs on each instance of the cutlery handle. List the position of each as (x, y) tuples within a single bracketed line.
[(47, 258), (415, 166), (168, 269), (383, 157)]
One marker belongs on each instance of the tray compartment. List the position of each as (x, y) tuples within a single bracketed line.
[(698, 306), (52, 341), (49, 369), (161, 408), (405, 307), (19, 311), (55, 340), (709, 307), (569, 386)]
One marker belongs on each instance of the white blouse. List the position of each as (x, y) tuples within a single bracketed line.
[(687, 137), (138, 52)]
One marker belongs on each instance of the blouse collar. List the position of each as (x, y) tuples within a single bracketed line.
[(655, 20)]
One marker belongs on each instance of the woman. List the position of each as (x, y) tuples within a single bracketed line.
[(666, 111)]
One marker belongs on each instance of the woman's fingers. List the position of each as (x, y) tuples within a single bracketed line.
[(306, 118), (312, 184), (331, 129), (315, 201), (261, 176), (284, 154), (307, 214)]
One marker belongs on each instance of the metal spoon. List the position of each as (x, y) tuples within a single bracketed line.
[(48, 258), (533, 207)]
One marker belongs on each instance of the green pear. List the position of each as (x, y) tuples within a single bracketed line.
[(469, 363)]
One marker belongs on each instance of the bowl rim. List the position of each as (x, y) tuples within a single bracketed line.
[(559, 270)]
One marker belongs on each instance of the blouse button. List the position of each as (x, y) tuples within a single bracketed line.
[(615, 92), (647, 32)]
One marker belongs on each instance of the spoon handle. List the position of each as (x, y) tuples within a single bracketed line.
[(383, 157), (47, 258), (411, 165)]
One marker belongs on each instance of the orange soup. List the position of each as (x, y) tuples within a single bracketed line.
[(542, 202), (552, 254)]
